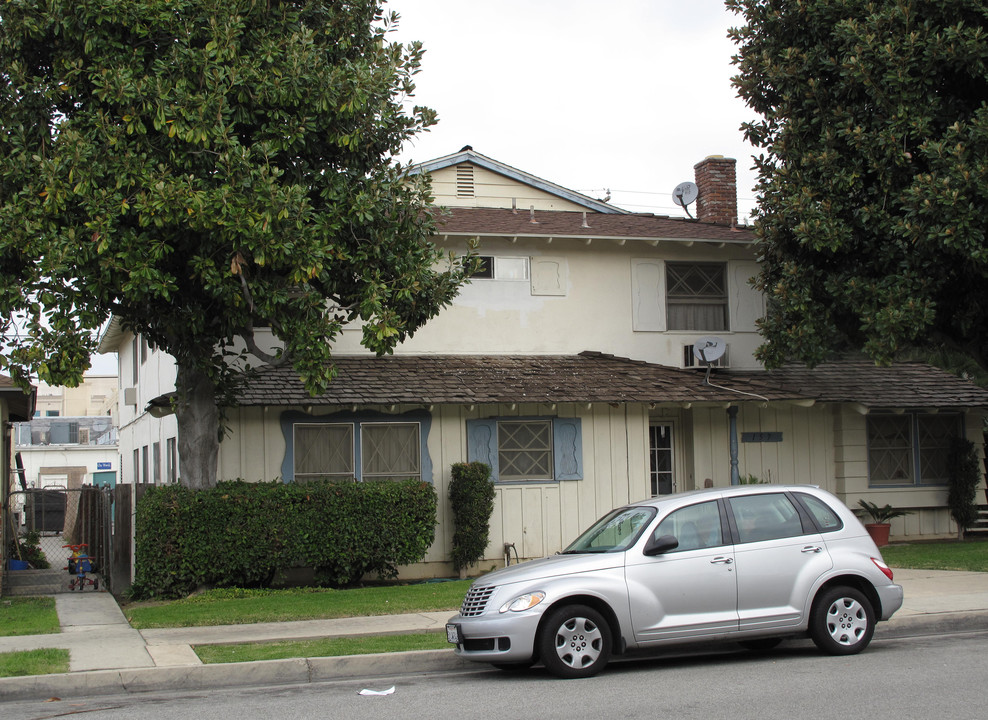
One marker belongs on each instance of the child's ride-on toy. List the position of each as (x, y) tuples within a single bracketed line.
[(79, 565)]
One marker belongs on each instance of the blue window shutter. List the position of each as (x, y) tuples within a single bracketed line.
[(567, 448), (482, 443)]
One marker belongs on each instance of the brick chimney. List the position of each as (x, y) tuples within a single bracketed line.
[(717, 199)]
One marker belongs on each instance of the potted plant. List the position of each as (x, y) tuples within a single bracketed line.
[(879, 526)]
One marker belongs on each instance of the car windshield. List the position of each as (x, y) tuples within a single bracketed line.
[(616, 531)]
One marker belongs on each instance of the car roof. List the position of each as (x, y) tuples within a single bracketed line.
[(688, 496)]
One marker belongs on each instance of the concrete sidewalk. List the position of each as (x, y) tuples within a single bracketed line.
[(108, 656)]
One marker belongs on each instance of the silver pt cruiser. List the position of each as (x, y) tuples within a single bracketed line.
[(751, 563)]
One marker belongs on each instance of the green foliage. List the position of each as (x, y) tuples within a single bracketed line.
[(321, 647), (28, 548), (197, 168), (28, 616), (970, 556), (471, 494), (752, 480), (236, 606), (45, 661), (882, 514), (238, 534), (874, 181), (963, 478)]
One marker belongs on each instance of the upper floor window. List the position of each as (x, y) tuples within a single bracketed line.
[(696, 296), (910, 448), (502, 268)]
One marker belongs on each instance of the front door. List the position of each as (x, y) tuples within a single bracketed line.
[(661, 465)]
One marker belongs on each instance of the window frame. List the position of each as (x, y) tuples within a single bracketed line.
[(721, 300), (417, 444), (494, 267), (915, 449), (292, 419), (566, 444)]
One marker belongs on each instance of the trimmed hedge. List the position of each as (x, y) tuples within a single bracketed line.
[(471, 494), (238, 533)]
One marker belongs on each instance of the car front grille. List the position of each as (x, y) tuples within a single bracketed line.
[(476, 601)]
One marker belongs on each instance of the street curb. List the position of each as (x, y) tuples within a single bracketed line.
[(292, 671), (300, 671)]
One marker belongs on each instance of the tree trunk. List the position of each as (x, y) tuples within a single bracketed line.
[(198, 427)]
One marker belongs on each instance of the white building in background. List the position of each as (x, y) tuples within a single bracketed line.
[(568, 365), (72, 438)]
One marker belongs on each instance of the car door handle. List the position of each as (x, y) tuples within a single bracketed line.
[(812, 549), (722, 561)]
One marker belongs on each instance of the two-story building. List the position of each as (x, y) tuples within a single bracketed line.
[(573, 364)]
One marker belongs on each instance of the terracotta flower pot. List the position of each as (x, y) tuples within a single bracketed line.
[(879, 533)]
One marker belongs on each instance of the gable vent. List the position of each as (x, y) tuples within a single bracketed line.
[(690, 361), (464, 181)]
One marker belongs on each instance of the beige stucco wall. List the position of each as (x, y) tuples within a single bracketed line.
[(598, 307)]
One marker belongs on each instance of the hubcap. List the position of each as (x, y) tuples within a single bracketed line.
[(578, 642), (847, 621)]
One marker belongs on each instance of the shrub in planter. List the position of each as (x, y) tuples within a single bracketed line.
[(471, 494)]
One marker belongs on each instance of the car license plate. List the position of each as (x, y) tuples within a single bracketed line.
[(453, 634)]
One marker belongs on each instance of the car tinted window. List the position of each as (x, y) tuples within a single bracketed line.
[(696, 526), (826, 519), (765, 517)]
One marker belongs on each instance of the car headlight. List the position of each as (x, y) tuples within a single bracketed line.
[(523, 602)]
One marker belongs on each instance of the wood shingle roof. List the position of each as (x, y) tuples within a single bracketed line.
[(593, 377), (509, 223)]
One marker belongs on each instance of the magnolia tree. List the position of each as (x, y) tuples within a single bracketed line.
[(197, 169), (874, 178)]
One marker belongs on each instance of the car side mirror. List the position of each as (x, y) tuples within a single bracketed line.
[(660, 545)]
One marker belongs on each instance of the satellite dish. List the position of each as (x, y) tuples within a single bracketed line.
[(709, 349), (685, 194)]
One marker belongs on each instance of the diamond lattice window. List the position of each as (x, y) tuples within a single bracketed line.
[(525, 450)]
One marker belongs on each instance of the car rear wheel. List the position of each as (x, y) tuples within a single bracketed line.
[(842, 621), (575, 642)]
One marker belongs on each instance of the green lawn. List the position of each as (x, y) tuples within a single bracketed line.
[(323, 647), (969, 555), (34, 662), (28, 616), (235, 607)]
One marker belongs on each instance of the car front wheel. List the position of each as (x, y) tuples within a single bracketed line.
[(842, 621), (575, 642)]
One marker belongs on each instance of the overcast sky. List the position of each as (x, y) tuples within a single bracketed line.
[(623, 95), (626, 95)]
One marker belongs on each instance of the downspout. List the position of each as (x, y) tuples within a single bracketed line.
[(732, 413)]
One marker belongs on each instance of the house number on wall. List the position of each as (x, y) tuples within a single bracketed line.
[(758, 437)]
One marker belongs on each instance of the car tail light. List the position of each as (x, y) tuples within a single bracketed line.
[(883, 567)]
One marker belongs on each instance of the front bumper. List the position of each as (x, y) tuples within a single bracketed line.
[(497, 637)]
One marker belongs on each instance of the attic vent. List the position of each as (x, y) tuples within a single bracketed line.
[(464, 181), (690, 361)]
